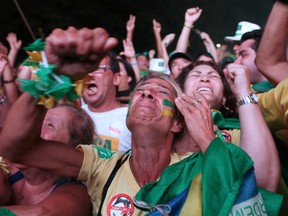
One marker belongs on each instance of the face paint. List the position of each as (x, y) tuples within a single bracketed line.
[(168, 103), (167, 113)]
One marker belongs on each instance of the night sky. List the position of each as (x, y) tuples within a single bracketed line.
[(219, 18)]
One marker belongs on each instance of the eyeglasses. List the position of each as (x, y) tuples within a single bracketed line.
[(102, 68)]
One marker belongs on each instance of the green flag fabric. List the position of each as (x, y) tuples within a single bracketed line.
[(264, 86), (212, 183), (6, 212)]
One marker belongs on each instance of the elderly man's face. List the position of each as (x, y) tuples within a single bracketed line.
[(152, 102)]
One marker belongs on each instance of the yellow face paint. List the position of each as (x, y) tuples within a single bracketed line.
[(167, 113)]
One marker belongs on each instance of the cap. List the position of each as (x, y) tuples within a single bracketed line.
[(176, 55), (242, 28), (157, 65)]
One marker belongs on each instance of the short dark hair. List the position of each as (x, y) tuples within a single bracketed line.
[(205, 53), (176, 55), (130, 72), (255, 35), (113, 62), (225, 61)]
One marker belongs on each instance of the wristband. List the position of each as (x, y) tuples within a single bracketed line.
[(187, 26), (134, 64), (8, 81)]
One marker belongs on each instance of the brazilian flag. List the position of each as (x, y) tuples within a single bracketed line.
[(220, 182)]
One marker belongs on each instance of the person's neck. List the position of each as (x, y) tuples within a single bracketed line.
[(150, 156), (260, 78), (185, 144), (36, 176), (123, 87), (37, 186), (104, 107)]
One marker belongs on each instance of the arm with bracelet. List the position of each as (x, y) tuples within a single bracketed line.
[(9, 90), (9, 84), (191, 16), (130, 53), (15, 46), (255, 137)]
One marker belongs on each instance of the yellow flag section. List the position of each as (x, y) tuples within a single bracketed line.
[(194, 198)]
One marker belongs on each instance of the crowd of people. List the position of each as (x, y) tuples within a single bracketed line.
[(153, 133)]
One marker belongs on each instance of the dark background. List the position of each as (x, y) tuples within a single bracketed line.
[(219, 18)]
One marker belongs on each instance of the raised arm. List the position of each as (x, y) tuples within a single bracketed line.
[(191, 16), (255, 137), (26, 117), (157, 34), (9, 83), (130, 55), (209, 45), (271, 55), (15, 46), (130, 26), (167, 40), (7, 80), (27, 147)]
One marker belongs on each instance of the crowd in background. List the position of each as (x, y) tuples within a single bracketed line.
[(145, 114)]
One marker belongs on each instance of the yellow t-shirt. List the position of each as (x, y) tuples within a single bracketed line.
[(274, 106), (119, 199)]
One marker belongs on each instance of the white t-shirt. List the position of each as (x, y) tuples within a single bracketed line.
[(112, 129)]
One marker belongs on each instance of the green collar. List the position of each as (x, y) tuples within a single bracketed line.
[(262, 86), (224, 123)]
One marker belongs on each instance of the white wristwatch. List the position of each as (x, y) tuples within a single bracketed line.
[(251, 98)]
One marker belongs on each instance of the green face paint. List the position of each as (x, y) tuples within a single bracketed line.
[(168, 103), (165, 112)]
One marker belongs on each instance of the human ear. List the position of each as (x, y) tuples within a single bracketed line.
[(116, 79), (177, 126)]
